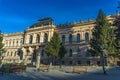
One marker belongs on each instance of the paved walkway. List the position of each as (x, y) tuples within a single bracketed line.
[(31, 74)]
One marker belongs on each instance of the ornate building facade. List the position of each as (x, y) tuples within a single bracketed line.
[(12, 44), (27, 46)]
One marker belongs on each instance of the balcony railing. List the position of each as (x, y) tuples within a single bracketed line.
[(65, 43), (76, 42), (34, 44)]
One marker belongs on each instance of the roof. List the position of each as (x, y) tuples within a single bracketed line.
[(46, 19), (43, 22)]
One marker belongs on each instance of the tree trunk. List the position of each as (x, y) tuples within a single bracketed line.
[(51, 62), (60, 63), (103, 63), (48, 60)]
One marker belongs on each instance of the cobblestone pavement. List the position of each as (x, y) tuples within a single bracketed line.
[(31, 74)]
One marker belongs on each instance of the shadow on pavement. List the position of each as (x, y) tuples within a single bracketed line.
[(112, 74)]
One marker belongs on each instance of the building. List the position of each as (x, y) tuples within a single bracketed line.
[(13, 44), (28, 45)]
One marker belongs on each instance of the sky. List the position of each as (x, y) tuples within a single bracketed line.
[(17, 15)]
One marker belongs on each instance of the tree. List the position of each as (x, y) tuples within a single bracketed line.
[(111, 49), (101, 37), (2, 50), (117, 35), (62, 53), (52, 48)]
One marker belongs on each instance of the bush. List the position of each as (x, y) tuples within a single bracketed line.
[(118, 63), (8, 68)]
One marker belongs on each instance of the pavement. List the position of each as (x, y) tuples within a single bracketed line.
[(32, 74)]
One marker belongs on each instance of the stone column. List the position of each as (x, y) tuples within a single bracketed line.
[(14, 42), (24, 56), (74, 37), (90, 33), (42, 37), (67, 38), (83, 36), (31, 51), (34, 38), (30, 55), (38, 60), (49, 36), (27, 38)]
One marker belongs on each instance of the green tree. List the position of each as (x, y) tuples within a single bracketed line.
[(111, 49), (52, 48), (2, 50), (117, 35), (101, 37), (62, 53)]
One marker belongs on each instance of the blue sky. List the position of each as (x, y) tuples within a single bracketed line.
[(17, 15)]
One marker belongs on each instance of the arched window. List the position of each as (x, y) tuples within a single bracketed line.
[(21, 42), (88, 63), (63, 38), (42, 53), (78, 52), (17, 43), (70, 53), (45, 38), (34, 55), (10, 43), (70, 38), (20, 53), (27, 51), (78, 37), (6, 44), (31, 39), (15, 53), (87, 54), (11, 53), (86, 36), (7, 53), (38, 38), (79, 62), (13, 43), (70, 62)]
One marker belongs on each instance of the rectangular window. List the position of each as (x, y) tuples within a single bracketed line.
[(79, 62), (70, 62), (63, 62)]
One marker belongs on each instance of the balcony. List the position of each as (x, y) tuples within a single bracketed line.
[(83, 42), (12, 46), (33, 44)]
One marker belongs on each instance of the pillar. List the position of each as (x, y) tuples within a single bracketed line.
[(38, 60), (34, 37), (24, 56)]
